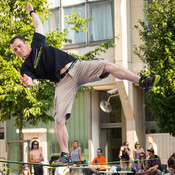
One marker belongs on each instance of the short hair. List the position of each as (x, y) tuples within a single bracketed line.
[(150, 136), (17, 37), (100, 150), (34, 142)]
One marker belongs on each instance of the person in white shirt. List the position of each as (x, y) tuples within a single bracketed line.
[(152, 145)]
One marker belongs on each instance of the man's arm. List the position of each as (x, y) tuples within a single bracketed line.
[(39, 28)]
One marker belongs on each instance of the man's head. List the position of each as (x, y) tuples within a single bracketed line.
[(150, 153), (150, 139), (99, 152), (20, 47)]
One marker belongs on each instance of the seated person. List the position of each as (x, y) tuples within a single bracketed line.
[(142, 163), (126, 163), (153, 164), (99, 160)]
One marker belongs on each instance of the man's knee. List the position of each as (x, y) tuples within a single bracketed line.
[(61, 123), (110, 67)]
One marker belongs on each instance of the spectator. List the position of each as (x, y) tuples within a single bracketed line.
[(36, 156), (142, 163), (99, 160), (153, 164), (136, 153), (126, 163), (171, 161), (75, 153), (25, 170), (124, 148), (152, 145), (171, 171)]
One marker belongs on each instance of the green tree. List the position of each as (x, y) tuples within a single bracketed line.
[(157, 51), (28, 105)]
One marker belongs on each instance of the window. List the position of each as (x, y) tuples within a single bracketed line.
[(53, 22), (75, 37), (101, 27)]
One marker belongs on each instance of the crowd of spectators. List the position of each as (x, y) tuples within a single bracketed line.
[(144, 162)]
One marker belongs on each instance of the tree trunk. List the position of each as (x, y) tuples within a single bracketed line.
[(20, 122)]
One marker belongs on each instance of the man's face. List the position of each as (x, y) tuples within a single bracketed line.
[(149, 140), (20, 48), (151, 155), (99, 153)]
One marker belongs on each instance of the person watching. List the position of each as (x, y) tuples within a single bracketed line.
[(36, 156), (99, 160), (124, 148), (153, 163), (152, 145), (142, 163)]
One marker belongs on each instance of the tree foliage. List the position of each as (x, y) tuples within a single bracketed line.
[(157, 51), (78, 24), (29, 105), (15, 99)]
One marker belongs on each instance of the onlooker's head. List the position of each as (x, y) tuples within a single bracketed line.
[(171, 161), (149, 139), (35, 144), (99, 152), (75, 144), (150, 153), (126, 144), (142, 155), (137, 144), (25, 170), (125, 156)]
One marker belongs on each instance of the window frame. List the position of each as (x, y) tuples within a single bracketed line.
[(87, 5)]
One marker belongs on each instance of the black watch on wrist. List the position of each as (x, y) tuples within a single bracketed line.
[(32, 11)]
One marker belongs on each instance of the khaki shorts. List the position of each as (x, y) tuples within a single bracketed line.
[(66, 89)]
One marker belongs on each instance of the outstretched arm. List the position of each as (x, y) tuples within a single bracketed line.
[(39, 28)]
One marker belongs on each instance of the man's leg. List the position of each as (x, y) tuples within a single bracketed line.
[(121, 73), (124, 74), (62, 135)]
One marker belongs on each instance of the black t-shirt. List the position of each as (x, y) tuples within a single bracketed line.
[(44, 62)]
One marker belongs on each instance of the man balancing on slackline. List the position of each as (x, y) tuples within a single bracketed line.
[(46, 62)]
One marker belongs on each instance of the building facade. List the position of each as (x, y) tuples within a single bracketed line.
[(92, 127)]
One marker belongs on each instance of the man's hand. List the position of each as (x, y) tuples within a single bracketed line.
[(27, 81), (29, 7)]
